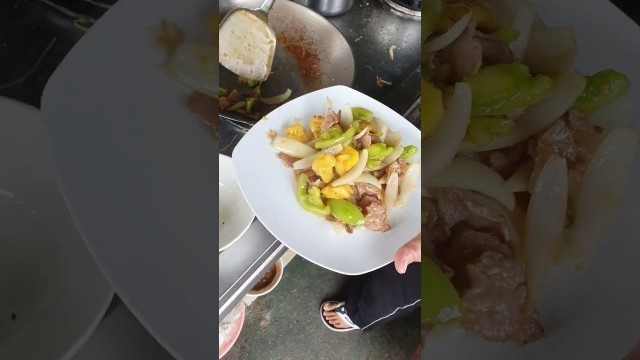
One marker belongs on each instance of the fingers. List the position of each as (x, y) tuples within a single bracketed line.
[(407, 254)]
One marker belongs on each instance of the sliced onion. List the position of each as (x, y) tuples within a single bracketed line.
[(304, 163), (519, 182), (346, 116), (471, 175), (395, 154), (450, 36), (616, 114), (355, 172), (551, 51), (522, 23), (381, 127), (369, 179), (334, 150), (393, 138), (361, 134), (443, 145), (409, 182), (275, 100), (391, 192), (292, 147), (601, 192), (545, 221), (538, 116)]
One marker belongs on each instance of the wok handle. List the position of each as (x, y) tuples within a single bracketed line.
[(266, 7)]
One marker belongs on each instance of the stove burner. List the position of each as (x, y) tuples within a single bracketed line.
[(407, 7)]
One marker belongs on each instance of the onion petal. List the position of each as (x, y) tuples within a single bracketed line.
[(601, 192), (292, 147), (471, 175), (545, 222), (391, 192), (275, 100), (519, 182), (355, 172), (450, 36), (393, 138), (395, 154), (367, 178), (522, 23), (409, 182), (346, 116), (443, 145)]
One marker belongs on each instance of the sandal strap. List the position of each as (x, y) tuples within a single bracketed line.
[(342, 313)]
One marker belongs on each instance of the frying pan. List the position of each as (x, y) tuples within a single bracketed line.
[(311, 54)]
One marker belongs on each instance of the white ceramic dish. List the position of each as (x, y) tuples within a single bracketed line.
[(235, 215), (591, 315), (137, 170), (269, 188), (52, 294)]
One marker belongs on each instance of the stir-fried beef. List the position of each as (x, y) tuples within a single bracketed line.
[(287, 160), (369, 199), (399, 166), (330, 119)]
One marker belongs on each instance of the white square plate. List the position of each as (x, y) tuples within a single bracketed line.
[(594, 314), (269, 188)]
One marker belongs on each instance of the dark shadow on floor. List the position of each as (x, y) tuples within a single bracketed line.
[(285, 324)]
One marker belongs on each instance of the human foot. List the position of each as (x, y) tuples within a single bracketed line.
[(335, 317)]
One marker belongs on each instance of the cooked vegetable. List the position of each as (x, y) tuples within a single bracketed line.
[(297, 132), (603, 184), (369, 179), (391, 192), (377, 152), (503, 88), (442, 302), (337, 192), (545, 222), (275, 100), (337, 138), (472, 175), (480, 12), (332, 132), (323, 166), (506, 34), (292, 147), (346, 160), (483, 128), (389, 159), (361, 114), (432, 15), (522, 23), (450, 36), (346, 212), (551, 51), (346, 116), (602, 89), (538, 116), (432, 108), (409, 182), (408, 152), (310, 200), (443, 145), (355, 172)]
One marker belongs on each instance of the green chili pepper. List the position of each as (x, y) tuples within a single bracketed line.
[(310, 200), (602, 89), (408, 151), (434, 12), (506, 34), (222, 92), (332, 132), (377, 152), (361, 114), (346, 212), (253, 83), (340, 139), (442, 301), (482, 129), (250, 103), (500, 89)]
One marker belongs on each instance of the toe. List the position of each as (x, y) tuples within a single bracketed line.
[(330, 305)]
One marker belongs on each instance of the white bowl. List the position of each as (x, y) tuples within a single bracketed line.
[(235, 214), (272, 285), (269, 187), (52, 294)]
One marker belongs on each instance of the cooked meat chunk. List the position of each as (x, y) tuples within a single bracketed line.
[(458, 60), (494, 51), (399, 166), (287, 160), (363, 142), (495, 303), (369, 199), (330, 119), (506, 161)]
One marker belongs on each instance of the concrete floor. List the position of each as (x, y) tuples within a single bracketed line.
[(285, 324)]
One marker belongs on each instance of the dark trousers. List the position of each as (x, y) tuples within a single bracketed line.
[(383, 295)]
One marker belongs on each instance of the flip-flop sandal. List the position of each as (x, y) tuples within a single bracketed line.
[(342, 314)]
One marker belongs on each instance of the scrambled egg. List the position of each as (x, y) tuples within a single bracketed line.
[(337, 192), (323, 166), (346, 160)]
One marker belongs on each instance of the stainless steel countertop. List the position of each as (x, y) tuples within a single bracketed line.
[(371, 28)]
